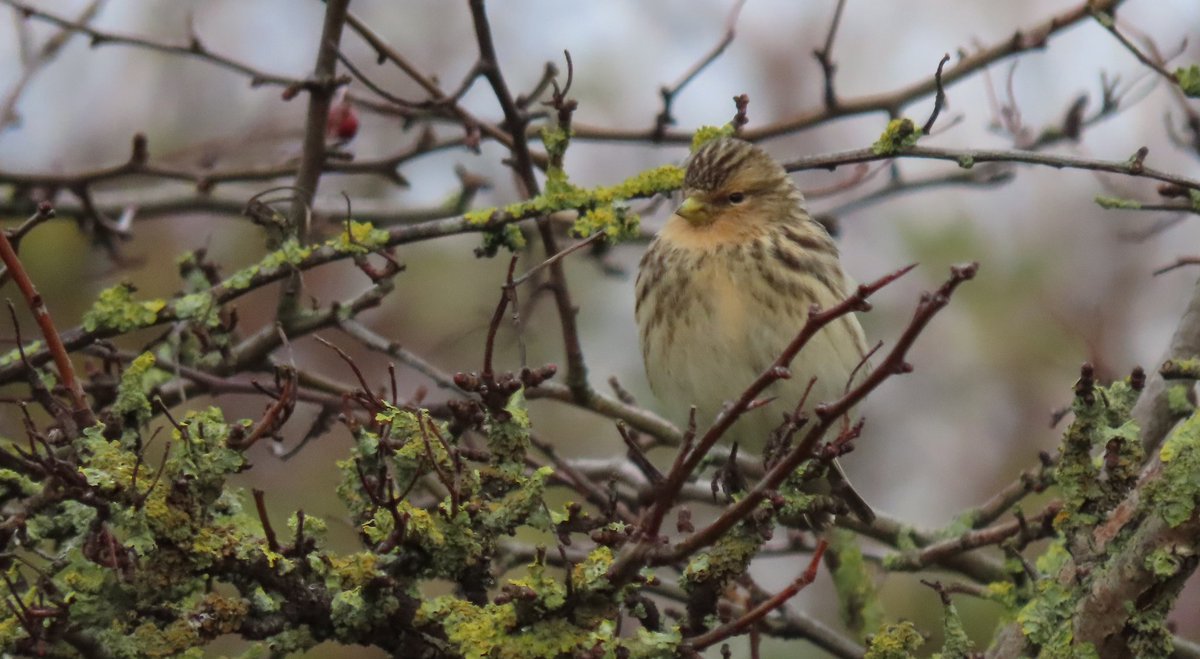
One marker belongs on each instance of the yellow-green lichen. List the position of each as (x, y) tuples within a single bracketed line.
[(561, 195), (1101, 422), (360, 238), (1147, 632), (1045, 620), (1176, 493), (491, 632), (197, 306), (1188, 78), (116, 311), (726, 560), (615, 222), (357, 610), (1179, 401), (481, 216), (508, 438), (106, 464), (507, 236), (895, 641), (1004, 592), (1111, 203), (706, 134), (1182, 368), (858, 602), (136, 381), (592, 573), (1165, 562), (555, 139), (13, 485), (899, 135), (550, 592), (956, 643), (14, 355), (291, 252)]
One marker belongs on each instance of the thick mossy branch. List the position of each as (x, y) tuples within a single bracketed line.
[(601, 209), (117, 310), (1090, 488), (1125, 535)]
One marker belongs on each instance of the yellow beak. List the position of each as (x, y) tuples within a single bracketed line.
[(694, 211)]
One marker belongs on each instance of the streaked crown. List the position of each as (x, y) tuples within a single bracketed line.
[(724, 161)]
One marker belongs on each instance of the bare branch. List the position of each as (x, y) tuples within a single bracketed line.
[(193, 49), (825, 59)]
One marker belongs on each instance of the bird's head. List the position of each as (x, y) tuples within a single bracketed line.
[(733, 181)]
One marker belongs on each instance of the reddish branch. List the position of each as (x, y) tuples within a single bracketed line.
[(81, 411), (648, 549), (894, 363), (778, 370), (751, 617)]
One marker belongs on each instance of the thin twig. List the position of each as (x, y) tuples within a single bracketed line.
[(824, 56), (1179, 262), (669, 93), (992, 535), (192, 49), (33, 63), (556, 258), (1109, 22), (939, 99)]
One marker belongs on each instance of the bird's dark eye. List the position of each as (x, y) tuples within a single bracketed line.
[(737, 197)]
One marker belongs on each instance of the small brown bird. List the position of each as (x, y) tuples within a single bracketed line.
[(728, 283)]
